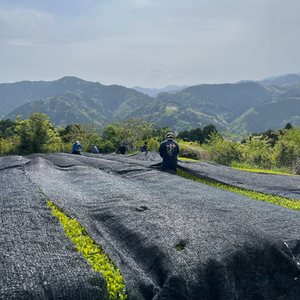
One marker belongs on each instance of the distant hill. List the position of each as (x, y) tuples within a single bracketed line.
[(272, 114), (13, 95), (240, 107), (166, 111), (86, 105), (154, 92), (226, 100), (277, 80)]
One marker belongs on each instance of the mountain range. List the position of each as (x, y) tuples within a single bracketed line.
[(154, 92), (243, 107)]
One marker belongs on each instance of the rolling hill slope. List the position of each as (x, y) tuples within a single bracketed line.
[(13, 95), (241, 107), (272, 114)]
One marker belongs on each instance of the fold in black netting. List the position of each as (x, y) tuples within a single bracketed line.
[(275, 184), (174, 238), (37, 260)]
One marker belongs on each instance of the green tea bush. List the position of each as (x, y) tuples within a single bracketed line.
[(289, 203), (222, 151), (93, 253), (193, 150)]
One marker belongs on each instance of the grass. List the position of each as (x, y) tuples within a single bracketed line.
[(92, 252), (248, 168), (286, 202), (245, 167)]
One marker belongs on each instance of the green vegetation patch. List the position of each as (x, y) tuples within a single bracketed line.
[(184, 158), (93, 253), (263, 171), (289, 203), (180, 246)]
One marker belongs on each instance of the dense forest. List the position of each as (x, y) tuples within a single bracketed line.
[(270, 150)]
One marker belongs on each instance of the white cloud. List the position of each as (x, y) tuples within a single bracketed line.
[(176, 42), (22, 26)]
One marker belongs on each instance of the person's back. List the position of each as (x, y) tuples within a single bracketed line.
[(169, 151), (144, 147), (94, 149)]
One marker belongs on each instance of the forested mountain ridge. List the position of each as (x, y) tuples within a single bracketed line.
[(87, 105), (227, 106), (271, 114), (13, 95), (233, 99), (277, 80)]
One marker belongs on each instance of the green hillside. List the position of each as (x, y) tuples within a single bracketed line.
[(227, 100), (165, 112), (87, 105), (272, 114), (13, 95), (241, 107)]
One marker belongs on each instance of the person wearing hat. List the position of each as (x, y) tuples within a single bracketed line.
[(76, 148), (144, 147), (122, 149), (94, 149), (169, 151)]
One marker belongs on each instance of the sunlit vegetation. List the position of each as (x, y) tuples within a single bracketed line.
[(93, 253), (289, 203), (276, 151)]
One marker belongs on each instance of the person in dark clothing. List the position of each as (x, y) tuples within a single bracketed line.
[(169, 151), (76, 148), (144, 147), (122, 149)]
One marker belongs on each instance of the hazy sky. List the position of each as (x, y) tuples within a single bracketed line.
[(149, 43)]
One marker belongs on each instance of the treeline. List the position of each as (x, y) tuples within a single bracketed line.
[(272, 150), (198, 134), (38, 135)]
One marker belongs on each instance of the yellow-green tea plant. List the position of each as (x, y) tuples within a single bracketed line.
[(289, 203), (93, 253)]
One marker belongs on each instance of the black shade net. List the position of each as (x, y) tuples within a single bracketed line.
[(37, 260), (171, 238)]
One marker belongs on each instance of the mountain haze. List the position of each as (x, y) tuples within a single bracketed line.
[(277, 80), (240, 107), (154, 92)]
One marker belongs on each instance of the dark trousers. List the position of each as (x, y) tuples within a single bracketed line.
[(169, 169), (76, 152)]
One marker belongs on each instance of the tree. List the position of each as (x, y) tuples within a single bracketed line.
[(37, 135), (208, 130), (7, 128)]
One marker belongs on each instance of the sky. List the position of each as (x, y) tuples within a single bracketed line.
[(149, 43)]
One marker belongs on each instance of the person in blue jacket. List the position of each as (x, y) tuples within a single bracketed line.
[(169, 151), (76, 148), (94, 149)]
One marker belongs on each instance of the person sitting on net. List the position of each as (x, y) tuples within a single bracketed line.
[(94, 149), (122, 149), (76, 148), (145, 147), (169, 151)]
